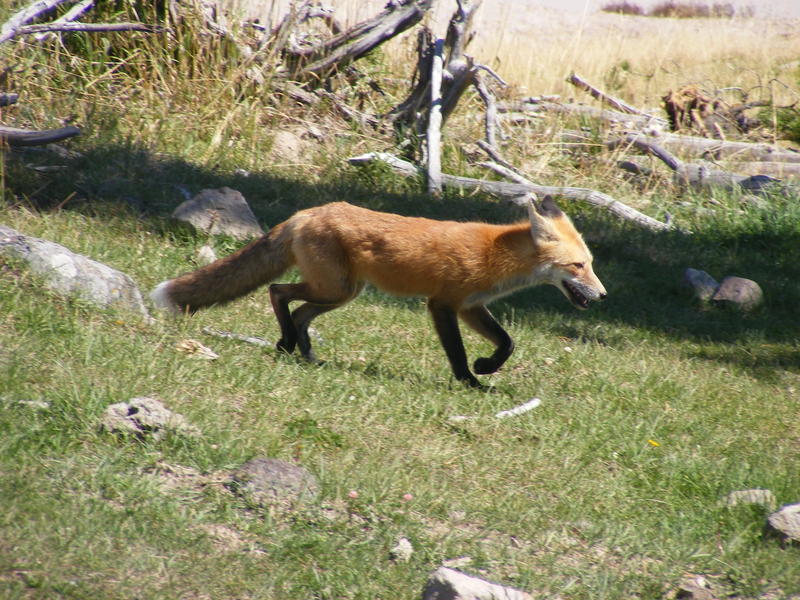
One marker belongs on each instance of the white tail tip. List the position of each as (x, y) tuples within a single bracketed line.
[(161, 299)]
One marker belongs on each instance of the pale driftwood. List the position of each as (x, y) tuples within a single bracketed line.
[(321, 60), (701, 176), (249, 339), (490, 117), (30, 13), (597, 94), (71, 15), (602, 114), (516, 191), (706, 148), (86, 28), (434, 134), (24, 137), (459, 73), (773, 169)]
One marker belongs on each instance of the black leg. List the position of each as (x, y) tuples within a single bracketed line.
[(446, 323), (279, 295), (481, 320), (302, 317)]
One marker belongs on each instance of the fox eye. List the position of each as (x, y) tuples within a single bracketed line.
[(579, 265)]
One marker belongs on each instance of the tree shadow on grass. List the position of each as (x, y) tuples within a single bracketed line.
[(642, 271)]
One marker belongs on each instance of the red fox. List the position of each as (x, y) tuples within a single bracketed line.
[(458, 267)]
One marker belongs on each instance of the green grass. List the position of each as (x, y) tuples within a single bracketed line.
[(572, 499)]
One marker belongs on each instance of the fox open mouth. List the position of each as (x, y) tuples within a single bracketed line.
[(575, 295)]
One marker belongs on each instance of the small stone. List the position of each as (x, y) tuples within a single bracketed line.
[(703, 284), (449, 584), (787, 521), (274, 482), (402, 551), (206, 255), (741, 293), (760, 497), (144, 417), (220, 211), (695, 587)]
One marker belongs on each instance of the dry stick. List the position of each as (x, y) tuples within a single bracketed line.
[(704, 147), (602, 96), (24, 137), (490, 117), (434, 135), (26, 15), (515, 191), (71, 15), (87, 28)]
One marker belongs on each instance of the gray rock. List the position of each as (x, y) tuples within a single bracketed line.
[(448, 584), (402, 551), (787, 521), (760, 497), (270, 481), (738, 292), (73, 274), (221, 211), (695, 587), (144, 417), (703, 284)]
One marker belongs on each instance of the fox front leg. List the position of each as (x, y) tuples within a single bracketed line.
[(445, 321), (481, 321)]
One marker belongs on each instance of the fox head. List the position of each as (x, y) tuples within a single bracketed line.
[(568, 264)]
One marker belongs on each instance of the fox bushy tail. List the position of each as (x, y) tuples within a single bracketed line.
[(231, 277)]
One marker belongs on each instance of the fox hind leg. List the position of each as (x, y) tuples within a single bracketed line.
[(481, 321), (294, 325)]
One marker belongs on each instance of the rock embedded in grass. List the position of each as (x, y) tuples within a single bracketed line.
[(759, 497), (703, 284), (738, 292), (144, 417), (220, 211), (787, 521), (73, 274), (274, 482), (449, 584)]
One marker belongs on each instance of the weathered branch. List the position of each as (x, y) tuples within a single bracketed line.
[(87, 28), (597, 94), (701, 147), (514, 191), (609, 116), (24, 137), (30, 13), (341, 50), (71, 15), (434, 136)]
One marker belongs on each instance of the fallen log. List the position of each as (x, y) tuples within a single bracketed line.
[(319, 61), (701, 176), (597, 94), (537, 106), (701, 147), (516, 192), (25, 137)]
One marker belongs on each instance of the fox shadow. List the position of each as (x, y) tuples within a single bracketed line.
[(642, 270)]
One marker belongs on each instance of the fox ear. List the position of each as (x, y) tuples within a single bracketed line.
[(541, 227)]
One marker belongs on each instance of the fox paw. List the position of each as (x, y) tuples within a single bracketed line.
[(484, 366)]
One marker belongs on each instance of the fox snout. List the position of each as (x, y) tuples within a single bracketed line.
[(582, 289)]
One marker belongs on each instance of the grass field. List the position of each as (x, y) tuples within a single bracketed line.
[(653, 409)]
